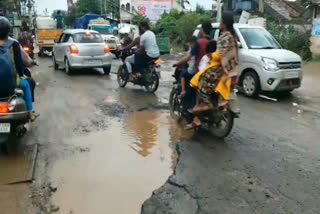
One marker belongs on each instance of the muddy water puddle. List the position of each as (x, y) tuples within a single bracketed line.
[(122, 167)]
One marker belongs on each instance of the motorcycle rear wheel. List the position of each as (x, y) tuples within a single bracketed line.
[(153, 86), (220, 131), (174, 104), (122, 77)]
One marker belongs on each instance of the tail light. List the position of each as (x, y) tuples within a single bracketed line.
[(4, 108), (106, 49), (26, 48), (74, 49)]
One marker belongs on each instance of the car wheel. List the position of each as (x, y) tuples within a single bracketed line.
[(250, 84), (107, 70), (67, 67), (55, 65)]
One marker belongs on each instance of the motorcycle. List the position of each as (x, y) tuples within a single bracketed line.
[(219, 121), (149, 75), (13, 117)]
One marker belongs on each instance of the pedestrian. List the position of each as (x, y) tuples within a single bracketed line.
[(59, 19)]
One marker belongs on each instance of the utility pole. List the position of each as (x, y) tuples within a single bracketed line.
[(261, 6), (29, 5), (219, 10)]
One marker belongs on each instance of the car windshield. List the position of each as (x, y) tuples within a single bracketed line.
[(87, 38), (102, 30), (258, 38)]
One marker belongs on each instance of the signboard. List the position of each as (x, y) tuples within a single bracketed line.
[(99, 21), (316, 28), (153, 9), (244, 17)]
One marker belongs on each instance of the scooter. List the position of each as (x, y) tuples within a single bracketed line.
[(149, 76), (13, 118), (219, 122)]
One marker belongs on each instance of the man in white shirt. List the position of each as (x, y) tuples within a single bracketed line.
[(148, 50)]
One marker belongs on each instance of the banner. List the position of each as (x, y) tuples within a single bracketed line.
[(153, 9)]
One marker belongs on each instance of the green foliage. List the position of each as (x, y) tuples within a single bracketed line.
[(138, 19), (70, 17), (88, 6), (167, 27), (292, 39), (186, 25), (179, 26)]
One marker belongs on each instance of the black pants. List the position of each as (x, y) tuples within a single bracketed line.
[(189, 100), (141, 60)]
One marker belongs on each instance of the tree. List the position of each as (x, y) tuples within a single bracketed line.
[(186, 25), (138, 19), (88, 6)]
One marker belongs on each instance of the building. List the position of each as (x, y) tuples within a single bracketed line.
[(278, 9), (315, 36)]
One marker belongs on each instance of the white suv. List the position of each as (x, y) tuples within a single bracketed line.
[(264, 65)]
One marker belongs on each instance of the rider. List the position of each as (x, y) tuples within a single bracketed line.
[(17, 62), (148, 50), (130, 59), (198, 51)]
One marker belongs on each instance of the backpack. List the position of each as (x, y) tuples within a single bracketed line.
[(7, 73)]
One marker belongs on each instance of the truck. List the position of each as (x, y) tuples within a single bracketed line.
[(46, 34), (101, 24)]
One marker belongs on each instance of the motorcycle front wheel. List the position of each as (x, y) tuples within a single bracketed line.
[(122, 76), (223, 128)]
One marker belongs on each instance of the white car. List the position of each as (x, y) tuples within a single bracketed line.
[(79, 48), (264, 65)]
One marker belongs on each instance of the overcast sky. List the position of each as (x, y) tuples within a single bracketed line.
[(52, 5)]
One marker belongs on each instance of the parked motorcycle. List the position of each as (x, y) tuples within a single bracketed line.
[(149, 76), (218, 121), (13, 117)]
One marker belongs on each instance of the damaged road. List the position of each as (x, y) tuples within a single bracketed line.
[(118, 151)]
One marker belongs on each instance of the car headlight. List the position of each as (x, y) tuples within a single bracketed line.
[(12, 104), (270, 64)]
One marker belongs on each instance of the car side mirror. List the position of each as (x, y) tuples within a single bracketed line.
[(56, 41), (239, 45)]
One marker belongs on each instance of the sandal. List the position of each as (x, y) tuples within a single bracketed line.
[(35, 117)]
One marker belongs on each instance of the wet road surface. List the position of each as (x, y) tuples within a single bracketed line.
[(104, 149)]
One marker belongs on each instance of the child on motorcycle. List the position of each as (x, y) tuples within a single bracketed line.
[(189, 71)]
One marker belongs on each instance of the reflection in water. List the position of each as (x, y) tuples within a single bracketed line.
[(143, 128)]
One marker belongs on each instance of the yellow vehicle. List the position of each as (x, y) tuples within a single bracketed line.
[(46, 34)]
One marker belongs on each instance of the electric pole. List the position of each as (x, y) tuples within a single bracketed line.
[(261, 6), (219, 10)]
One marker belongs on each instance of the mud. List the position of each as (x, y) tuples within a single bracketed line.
[(15, 173)]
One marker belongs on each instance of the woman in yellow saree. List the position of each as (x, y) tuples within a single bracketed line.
[(216, 78)]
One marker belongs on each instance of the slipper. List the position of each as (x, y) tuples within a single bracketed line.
[(190, 126), (35, 117)]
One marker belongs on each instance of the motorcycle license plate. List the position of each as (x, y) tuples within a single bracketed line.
[(5, 127)]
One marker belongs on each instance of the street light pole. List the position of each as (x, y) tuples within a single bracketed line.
[(29, 5), (219, 10)]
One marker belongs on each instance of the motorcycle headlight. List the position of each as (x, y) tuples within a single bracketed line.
[(12, 104), (270, 64)]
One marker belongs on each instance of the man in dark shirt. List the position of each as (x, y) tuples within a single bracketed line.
[(198, 51)]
